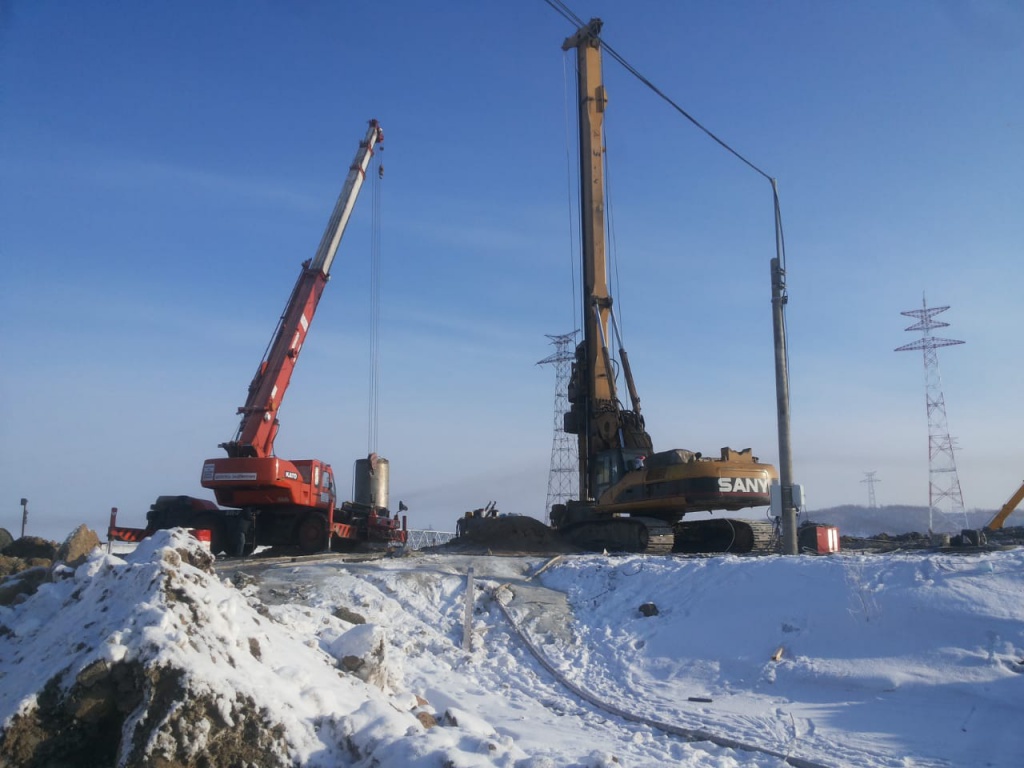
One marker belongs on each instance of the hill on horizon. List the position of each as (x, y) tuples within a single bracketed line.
[(861, 521)]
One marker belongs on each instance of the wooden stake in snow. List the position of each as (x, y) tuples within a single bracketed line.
[(467, 624)]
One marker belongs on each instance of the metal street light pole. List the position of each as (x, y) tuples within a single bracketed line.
[(787, 501), (789, 539)]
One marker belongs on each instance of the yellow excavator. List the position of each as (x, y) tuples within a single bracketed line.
[(996, 523), (631, 497)]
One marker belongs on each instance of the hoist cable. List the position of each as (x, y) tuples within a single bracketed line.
[(569, 176), (612, 243), (374, 386)]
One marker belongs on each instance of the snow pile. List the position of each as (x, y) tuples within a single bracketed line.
[(152, 659), (849, 660)]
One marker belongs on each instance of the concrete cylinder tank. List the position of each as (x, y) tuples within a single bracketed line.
[(372, 481)]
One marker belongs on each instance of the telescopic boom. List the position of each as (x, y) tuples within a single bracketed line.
[(259, 425)]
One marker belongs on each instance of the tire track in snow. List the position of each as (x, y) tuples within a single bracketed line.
[(795, 729), (690, 734)]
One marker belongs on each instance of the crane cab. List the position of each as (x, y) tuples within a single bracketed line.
[(250, 482)]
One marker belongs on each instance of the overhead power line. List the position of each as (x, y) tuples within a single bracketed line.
[(562, 9), (780, 242)]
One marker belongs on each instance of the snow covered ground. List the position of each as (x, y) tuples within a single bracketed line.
[(847, 660)]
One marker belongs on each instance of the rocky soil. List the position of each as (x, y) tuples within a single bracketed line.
[(156, 661), (27, 562)]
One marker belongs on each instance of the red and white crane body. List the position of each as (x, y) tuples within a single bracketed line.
[(269, 500), (251, 476)]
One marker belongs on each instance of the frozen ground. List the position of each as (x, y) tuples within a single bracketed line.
[(849, 660)]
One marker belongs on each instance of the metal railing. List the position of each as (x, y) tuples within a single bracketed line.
[(421, 539)]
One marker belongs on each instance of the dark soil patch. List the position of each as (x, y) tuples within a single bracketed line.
[(506, 534)]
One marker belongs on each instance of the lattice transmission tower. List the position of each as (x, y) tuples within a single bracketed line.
[(870, 479), (563, 477), (944, 494)]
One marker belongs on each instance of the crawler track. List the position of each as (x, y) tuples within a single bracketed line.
[(732, 535), (641, 535)]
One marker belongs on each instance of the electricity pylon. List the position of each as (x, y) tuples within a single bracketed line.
[(870, 479), (943, 480), (563, 477)]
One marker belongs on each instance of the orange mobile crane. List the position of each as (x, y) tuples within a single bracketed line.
[(270, 500)]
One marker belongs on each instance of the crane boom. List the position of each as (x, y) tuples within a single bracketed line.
[(258, 427), (1007, 509)]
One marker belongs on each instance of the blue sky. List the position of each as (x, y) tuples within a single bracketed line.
[(167, 167)]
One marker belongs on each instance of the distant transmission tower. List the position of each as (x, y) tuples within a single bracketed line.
[(943, 480), (870, 479), (563, 478)]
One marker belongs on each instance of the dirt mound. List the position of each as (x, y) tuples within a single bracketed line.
[(31, 548), (107, 704), (26, 563), (508, 534)]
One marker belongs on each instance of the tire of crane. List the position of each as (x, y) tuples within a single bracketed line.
[(312, 533)]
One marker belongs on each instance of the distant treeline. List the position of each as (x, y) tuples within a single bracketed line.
[(854, 520)]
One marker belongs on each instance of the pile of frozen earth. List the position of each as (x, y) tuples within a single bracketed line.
[(153, 659)]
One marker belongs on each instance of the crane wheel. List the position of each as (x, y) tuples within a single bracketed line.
[(312, 534)]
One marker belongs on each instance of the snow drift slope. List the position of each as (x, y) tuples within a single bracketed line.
[(902, 660), (883, 659), (152, 660), (507, 694)]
